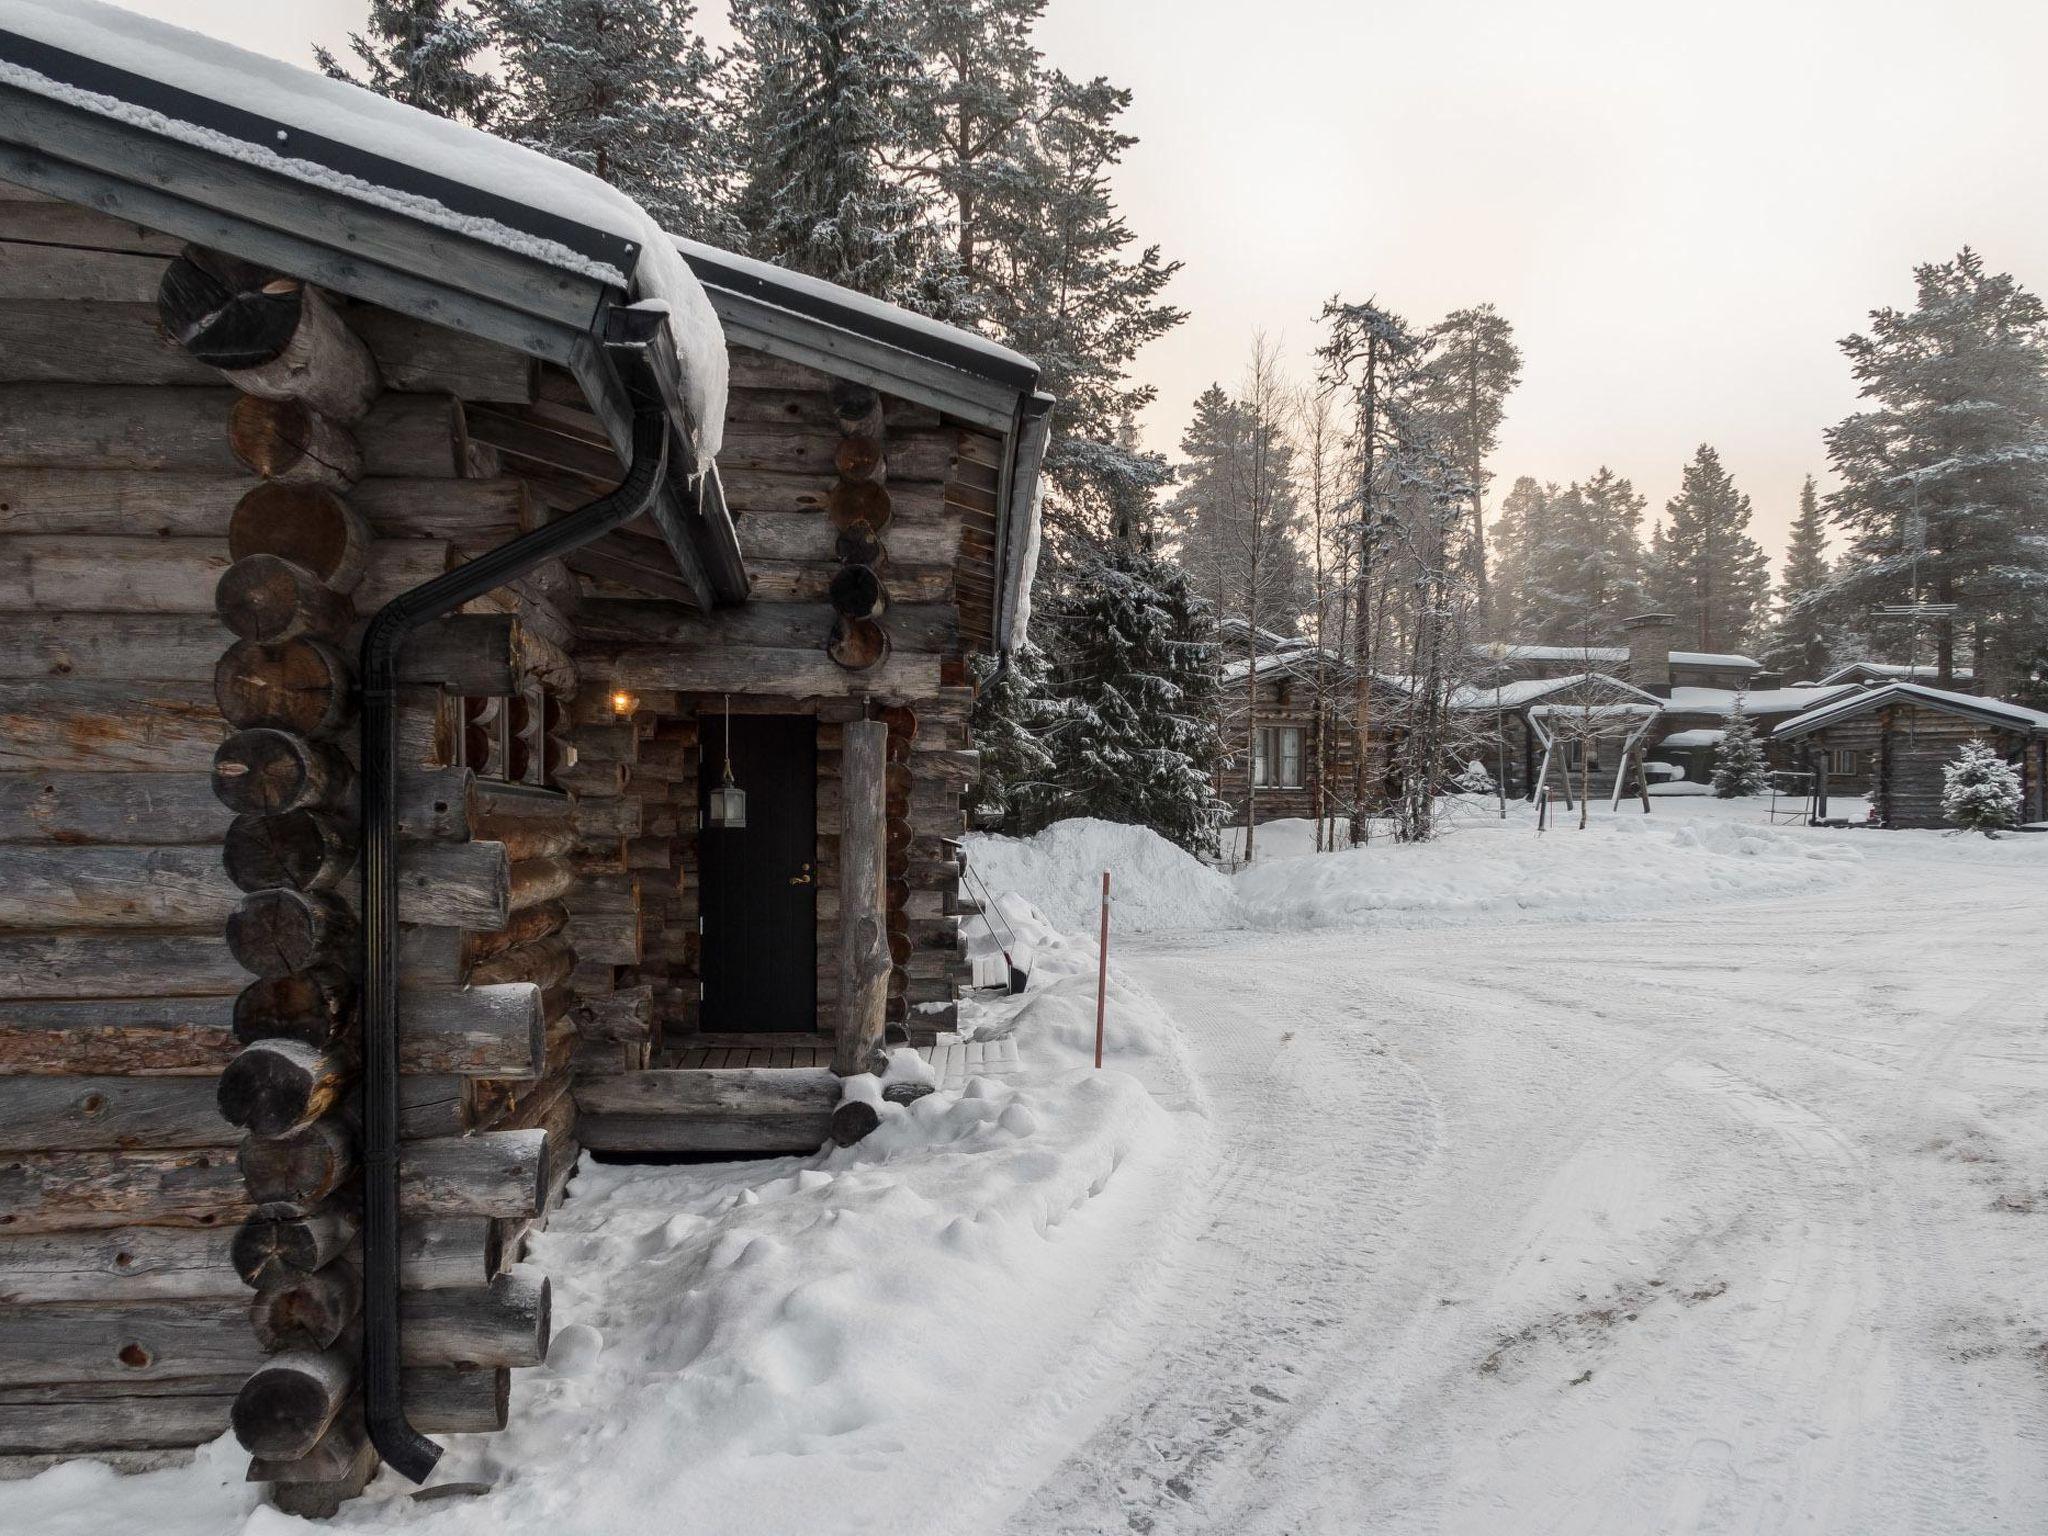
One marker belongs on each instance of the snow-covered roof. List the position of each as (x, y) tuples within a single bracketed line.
[(1680, 740), (1860, 671), (1712, 659), (1508, 650), (1860, 701), (351, 144), (1616, 711), (1755, 701), (1515, 695)]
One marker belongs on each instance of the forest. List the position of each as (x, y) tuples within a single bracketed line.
[(929, 153)]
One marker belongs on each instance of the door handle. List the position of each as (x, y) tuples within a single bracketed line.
[(804, 878)]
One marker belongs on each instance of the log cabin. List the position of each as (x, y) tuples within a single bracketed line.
[(482, 680), (1891, 743)]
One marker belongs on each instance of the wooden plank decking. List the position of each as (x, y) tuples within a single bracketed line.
[(953, 1060)]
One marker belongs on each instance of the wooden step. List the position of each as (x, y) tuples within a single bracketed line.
[(747, 1109)]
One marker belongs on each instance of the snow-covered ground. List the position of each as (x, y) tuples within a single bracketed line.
[(1683, 1174)]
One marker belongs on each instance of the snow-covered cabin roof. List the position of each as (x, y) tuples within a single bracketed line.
[(1861, 701), (1755, 701), (1702, 737), (1587, 655), (1886, 671), (1516, 695), (1713, 659)]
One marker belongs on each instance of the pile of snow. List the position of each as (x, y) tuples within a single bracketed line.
[(1154, 886)]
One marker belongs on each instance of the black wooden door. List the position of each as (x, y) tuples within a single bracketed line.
[(758, 888)]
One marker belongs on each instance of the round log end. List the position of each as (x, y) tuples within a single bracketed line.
[(859, 501), (225, 312), (858, 644), (853, 1120)]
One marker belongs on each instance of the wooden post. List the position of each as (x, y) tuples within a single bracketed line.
[(1102, 971), (864, 963)]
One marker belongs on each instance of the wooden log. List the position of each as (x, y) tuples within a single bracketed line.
[(282, 932), (289, 1401), (493, 1029), (535, 882), (484, 655), (128, 1037), (305, 850), (861, 501), (307, 525), (110, 1421), (545, 964), (316, 1485), (856, 409), (419, 358), (913, 455), (269, 598), (853, 1120), (439, 1253), (116, 1264), (291, 443), (455, 885), (448, 1400), (490, 1173), (595, 817), (277, 1242), (123, 503), (863, 938), (111, 887), (624, 1016), (860, 458), (273, 772), (108, 575), (316, 1006), (301, 685), (99, 427), (410, 507), (271, 336), (762, 672), (435, 1105), (415, 436), (129, 1341), (307, 1311), (165, 647), (277, 1087), (505, 1324), (76, 1191), (858, 645), (857, 593), (300, 1169), (729, 1110), (61, 1114)]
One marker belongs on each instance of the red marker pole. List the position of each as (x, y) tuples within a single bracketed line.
[(1102, 970)]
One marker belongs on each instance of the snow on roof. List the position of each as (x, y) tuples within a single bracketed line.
[(398, 158), (1755, 701), (1862, 700), (1712, 659), (1508, 650), (1630, 711), (1856, 671), (1703, 737), (1515, 695)]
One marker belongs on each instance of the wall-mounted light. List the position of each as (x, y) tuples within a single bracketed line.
[(728, 804), (624, 703)]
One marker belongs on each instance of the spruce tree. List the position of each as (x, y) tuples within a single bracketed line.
[(1799, 642), (421, 52), (1739, 761), (1010, 718), (1583, 575), (1134, 683), (823, 83), (1981, 791), (1473, 368), (623, 89), (1945, 472), (1519, 532), (1704, 566)]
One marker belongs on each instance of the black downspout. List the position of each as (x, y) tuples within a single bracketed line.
[(404, 1448)]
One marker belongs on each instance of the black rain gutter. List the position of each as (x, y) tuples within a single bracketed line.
[(404, 1448)]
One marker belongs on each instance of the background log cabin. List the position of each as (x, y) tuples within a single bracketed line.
[(241, 410)]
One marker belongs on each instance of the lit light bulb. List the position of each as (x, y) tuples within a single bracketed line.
[(624, 703)]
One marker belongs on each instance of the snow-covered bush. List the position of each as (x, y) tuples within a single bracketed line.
[(1739, 763), (1982, 790), (1475, 780)]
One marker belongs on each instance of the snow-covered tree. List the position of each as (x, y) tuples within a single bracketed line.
[(624, 89), (1704, 566), (1981, 791), (1134, 679), (1011, 715), (423, 53), (1473, 369), (1581, 572), (1739, 761), (1945, 471), (822, 85), (1799, 644)]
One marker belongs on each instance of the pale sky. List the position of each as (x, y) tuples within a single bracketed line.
[(1680, 207)]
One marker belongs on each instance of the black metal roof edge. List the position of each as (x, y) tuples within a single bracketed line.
[(860, 321), (174, 102)]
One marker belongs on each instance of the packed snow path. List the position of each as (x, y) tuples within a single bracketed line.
[(1716, 1219)]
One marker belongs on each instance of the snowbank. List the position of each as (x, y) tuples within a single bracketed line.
[(1154, 885)]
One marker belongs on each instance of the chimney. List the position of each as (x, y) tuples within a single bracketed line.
[(1649, 651)]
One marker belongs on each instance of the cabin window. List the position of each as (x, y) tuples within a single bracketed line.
[(1842, 763), (1276, 764), (1575, 756)]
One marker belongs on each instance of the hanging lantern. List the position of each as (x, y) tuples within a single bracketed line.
[(623, 704), (728, 807)]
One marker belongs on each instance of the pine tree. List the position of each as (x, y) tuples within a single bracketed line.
[(1134, 682), (1981, 792), (623, 89), (1585, 573), (823, 83), (1945, 472), (1519, 531), (1799, 643), (1056, 279), (420, 52), (1739, 761), (1010, 718), (1475, 366), (1704, 566)]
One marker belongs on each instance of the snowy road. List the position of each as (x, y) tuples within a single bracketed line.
[(1715, 1219)]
